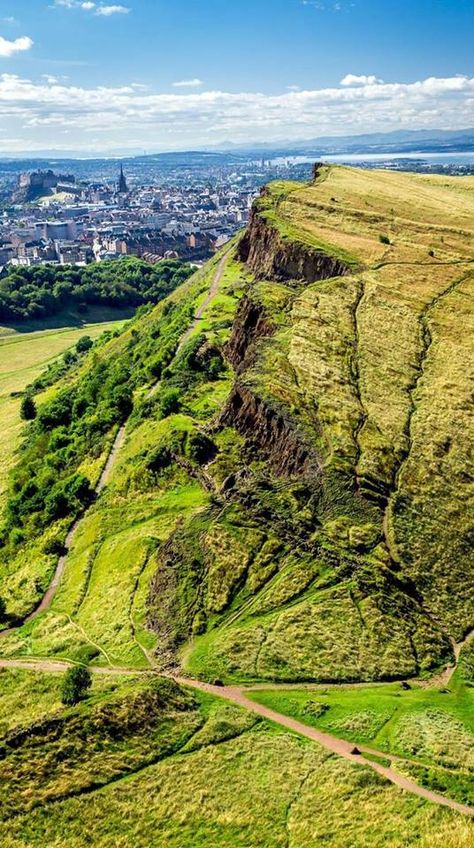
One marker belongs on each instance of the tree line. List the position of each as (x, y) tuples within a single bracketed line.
[(43, 291)]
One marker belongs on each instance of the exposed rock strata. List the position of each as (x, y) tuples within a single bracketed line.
[(271, 257), (272, 431), (250, 324)]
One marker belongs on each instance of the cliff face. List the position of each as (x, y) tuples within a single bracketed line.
[(273, 258), (272, 432), (328, 561), (250, 325)]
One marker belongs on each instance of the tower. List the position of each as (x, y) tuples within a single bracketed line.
[(122, 186)]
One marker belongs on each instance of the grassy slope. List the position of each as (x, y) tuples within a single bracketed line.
[(240, 575), (281, 579), (189, 772), (372, 367), (432, 728), (99, 611), (23, 356)]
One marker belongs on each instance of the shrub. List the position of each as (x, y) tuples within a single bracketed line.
[(170, 402), (28, 408), (54, 547), (200, 448), (77, 681), (384, 239), (84, 344)]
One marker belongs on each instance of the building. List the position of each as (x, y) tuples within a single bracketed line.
[(122, 187)]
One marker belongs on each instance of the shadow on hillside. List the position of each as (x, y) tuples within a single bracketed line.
[(69, 319)]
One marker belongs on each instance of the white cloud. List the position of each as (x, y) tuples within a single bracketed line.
[(124, 116), (353, 79), (100, 10), (9, 48), (107, 11), (328, 7), (190, 83)]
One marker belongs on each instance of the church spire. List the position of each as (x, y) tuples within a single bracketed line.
[(122, 187)]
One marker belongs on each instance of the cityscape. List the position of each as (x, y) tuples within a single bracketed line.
[(176, 206)]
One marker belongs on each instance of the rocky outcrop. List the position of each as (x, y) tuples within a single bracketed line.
[(271, 257), (251, 324), (273, 432)]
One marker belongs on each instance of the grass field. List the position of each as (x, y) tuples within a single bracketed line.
[(432, 728), (23, 356), (188, 771)]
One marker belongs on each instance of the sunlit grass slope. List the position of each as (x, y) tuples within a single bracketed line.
[(143, 762), (23, 357), (294, 502)]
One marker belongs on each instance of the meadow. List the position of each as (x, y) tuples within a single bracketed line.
[(24, 355), (187, 770)]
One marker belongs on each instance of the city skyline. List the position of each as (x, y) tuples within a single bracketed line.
[(141, 75)]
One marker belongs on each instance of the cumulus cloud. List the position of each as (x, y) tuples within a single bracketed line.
[(354, 79), (107, 11), (190, 83), (9, 48), (107, 117)]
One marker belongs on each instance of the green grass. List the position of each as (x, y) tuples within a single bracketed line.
[(100, 610), (23, 357), (433, 729), (210, 777)]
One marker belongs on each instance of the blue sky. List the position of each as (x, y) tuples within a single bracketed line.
[(154, 74)]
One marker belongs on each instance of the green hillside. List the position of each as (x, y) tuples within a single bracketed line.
[(269, 479)]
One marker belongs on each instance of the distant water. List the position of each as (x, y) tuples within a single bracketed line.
[(453, 158)]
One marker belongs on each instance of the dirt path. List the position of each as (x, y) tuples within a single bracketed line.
[(213, 290), (60, 666), (47, 599), (331, 743), (237, 695)]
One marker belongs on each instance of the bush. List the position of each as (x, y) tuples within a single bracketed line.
[(384, 239), (28, 408), (84, 344), (77, 681), (200, 448), (170, 402), (54, 547)]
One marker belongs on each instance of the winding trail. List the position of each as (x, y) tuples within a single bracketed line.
[(48, 597), (237, 695)]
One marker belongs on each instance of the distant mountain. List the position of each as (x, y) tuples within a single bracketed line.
[(398, 141)]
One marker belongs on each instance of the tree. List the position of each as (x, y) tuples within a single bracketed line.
[(28, 408), (3, 610), (84, 344), (170, 402), (77, 681)]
